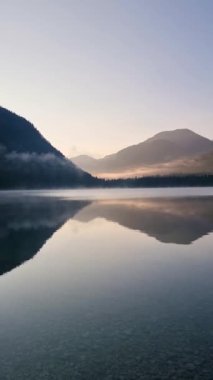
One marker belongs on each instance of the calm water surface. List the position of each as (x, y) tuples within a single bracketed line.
[(106, 285)]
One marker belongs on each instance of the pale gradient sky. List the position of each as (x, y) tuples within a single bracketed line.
[(95, 76)]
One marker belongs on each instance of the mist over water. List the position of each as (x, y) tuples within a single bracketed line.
[(106, 284)]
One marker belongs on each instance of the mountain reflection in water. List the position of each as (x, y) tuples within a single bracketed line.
[(26, 224), (169, 220)]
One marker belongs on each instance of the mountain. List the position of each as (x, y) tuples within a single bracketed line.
[(20, 136), (27, 159), (163, 148)]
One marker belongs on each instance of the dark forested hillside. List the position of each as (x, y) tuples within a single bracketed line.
[(28, 160), (19, 135)]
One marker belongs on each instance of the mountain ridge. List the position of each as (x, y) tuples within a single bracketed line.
[(20, 135), (27, 159), (162, 148)]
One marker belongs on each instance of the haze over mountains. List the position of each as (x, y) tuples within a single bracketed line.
[(28, 160), (170, 152)]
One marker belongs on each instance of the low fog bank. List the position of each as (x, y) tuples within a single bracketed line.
[(39, 170)]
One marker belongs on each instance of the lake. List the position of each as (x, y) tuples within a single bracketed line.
[(106, 284)]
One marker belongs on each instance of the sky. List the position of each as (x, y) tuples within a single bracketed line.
[(95, 76)]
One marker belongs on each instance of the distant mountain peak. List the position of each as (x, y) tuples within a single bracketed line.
[(176, 134)]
